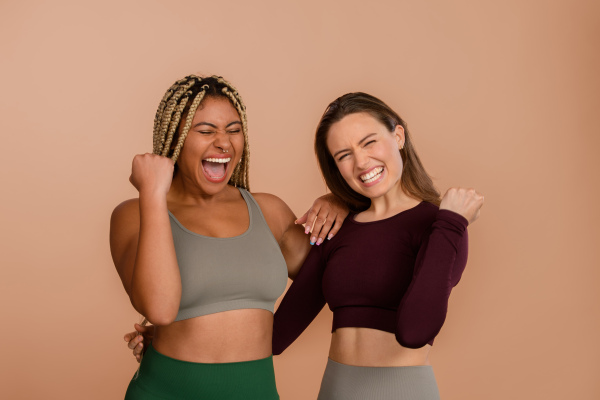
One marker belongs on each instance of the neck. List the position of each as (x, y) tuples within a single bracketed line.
[(392, 202), (185, 190)]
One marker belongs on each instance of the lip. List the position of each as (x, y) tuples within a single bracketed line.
[(375, 182), (225, 175)]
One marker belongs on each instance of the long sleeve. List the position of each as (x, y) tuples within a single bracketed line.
[(439, 265), (302, 302)]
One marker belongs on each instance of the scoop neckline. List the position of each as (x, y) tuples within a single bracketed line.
[(218, 238), (351, 217)]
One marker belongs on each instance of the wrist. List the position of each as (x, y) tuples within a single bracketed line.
[(152, 199)]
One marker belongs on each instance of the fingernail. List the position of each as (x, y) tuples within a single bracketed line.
[(330, 236), (319, 241), (307, 230), (313, 240)]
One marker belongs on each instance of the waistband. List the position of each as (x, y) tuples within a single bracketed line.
[(350, 382), (166, 377)]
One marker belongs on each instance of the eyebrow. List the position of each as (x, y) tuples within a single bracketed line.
[(214, 126), (361, 140)]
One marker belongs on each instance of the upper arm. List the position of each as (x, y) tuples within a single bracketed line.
[(292, 241), (124, 235)]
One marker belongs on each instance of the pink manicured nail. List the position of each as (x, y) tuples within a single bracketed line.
[(307, 230), (319, 241)]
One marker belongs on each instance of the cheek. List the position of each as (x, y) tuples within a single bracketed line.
[(390, 153), (346, 171), (238, 141), (191, 146)]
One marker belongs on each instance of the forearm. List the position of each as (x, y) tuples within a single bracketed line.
[(439, 265), (156, 281), (301, 304)]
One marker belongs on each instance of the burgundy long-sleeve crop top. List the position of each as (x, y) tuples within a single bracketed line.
[(393, 275)]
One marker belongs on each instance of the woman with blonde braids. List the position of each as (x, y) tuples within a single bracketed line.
[(200, 257)]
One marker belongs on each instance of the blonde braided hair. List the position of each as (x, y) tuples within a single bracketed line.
[(184, 98)]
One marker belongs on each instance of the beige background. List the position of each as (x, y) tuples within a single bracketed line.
[(501, 96)]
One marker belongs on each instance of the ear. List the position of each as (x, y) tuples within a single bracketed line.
[(399, 135)]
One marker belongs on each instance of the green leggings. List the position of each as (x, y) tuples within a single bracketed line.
[(162, 377)]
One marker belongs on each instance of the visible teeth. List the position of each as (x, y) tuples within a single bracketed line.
[(218, 160), (371, 176)]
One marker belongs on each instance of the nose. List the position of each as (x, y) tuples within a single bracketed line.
[(362, 159), (222, 142)]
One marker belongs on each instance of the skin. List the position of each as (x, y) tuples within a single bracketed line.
[(359, 143), (144, 254)]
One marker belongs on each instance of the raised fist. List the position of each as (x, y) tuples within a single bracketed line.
[(152, 173), (466, 202)]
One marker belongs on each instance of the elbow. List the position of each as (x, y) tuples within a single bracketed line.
[(156, 314), (412, 340), (161, 319), (277, 347)]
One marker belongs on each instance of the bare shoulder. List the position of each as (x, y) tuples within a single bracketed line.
[(126, 213), (278, 214), (267, 200), (124, 228)]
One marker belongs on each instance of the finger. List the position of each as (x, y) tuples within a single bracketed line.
[(138, 350), (135, 341), (324, 231), (302, 219), (310, 220), (336, 227), (130, 335), (320, 221), (143, 329)]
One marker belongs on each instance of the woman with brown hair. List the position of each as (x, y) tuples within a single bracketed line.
[(388, 273), (202, 258)]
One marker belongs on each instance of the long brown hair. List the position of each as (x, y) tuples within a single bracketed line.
[(415, 181)]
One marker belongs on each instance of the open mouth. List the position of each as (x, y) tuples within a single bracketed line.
[(215, 169), (372, 175)]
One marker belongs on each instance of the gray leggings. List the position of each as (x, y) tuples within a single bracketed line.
[(348, 382)]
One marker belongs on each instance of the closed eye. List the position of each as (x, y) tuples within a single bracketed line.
[(369, 142), (343, 156), (234, 131)]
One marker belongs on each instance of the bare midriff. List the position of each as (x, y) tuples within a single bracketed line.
[(367, 347), (229, 336)]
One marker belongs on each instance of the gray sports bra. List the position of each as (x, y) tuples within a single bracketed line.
[(222, 274)]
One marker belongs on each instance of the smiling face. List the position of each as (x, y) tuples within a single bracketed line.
[(366, 153), (213, 146)]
